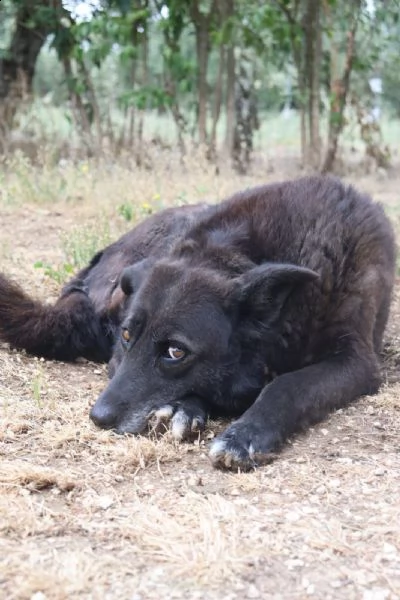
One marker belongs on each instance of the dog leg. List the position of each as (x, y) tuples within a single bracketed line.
[(291, 402)]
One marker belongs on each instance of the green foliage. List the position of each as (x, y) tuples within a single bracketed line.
[(126, 211), (59, 274), (79, 247), (50, 77), (141, 55), (84, 242), (130, 212), (7, 20), (145, 97)]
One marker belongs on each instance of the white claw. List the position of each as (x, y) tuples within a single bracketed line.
[(220, 453), (180, 425), (218, 448), (164, 413), (196, 425)]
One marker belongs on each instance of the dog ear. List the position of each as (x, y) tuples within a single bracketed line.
[(266, 287), (132, 276)]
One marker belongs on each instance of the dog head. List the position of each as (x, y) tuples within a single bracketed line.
[(192, 331)]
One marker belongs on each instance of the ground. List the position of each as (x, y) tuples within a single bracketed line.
[(87, 514)]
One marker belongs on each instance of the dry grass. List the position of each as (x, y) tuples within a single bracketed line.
[(90, 515)]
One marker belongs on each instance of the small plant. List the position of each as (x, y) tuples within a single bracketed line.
[(146, 209), (25, 180), (37, 387), (59, 274), (126, 211), (84, 242), (182, 198), (79, 248), (129, 212)]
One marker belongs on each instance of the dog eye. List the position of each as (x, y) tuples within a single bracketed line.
[(126, 336), (175, 353)]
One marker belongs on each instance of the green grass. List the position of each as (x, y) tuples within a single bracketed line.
[(46, 121), (59, 273), (55, 125), (79, 246), (135, 212), (22, 181), (84, 242)]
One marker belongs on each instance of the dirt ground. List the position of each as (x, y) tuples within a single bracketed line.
[(87, 514)]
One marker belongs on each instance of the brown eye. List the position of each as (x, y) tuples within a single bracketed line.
[(126, 335), (175, 353)]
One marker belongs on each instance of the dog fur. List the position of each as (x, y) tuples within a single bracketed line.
[(269, 307)]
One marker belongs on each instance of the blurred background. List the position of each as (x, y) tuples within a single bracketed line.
[(314, 84)]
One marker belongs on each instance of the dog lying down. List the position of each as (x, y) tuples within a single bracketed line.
[(269, 307)]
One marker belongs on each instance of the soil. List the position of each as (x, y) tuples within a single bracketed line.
[(87, 514)]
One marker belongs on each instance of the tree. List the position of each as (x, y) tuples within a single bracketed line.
[(197, 59), (177, 70), (32, 22), (203, 19), (304, 32), (340, 87), (246, 118)]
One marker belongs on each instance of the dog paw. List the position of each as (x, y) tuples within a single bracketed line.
[(241, 447), (185, 420), (186, 425)]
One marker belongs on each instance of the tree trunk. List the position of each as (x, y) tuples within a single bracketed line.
[(17, 68), (145, 83), (78, 108), (216, 111), (202, 22), (228, 7), (26, 43), (172, 91), (246, 120), (94, 105), (202, 63), (312, 64), (230, 100), (293, 18), (339, 93), (315, 97), (303, 116)]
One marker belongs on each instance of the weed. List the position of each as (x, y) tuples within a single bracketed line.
[(26, 182), (37, 387), (84, 242), (79, 248), (130, 212), (126, 211), (59, 274)]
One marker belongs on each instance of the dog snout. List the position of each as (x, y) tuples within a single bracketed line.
[(103, 415)]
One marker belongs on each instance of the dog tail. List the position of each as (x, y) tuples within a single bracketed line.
[(64, 331)]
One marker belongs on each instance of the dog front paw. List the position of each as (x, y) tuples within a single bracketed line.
[(186, 420), (243, 446)]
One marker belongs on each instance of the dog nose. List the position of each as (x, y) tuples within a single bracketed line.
[(103, 416)]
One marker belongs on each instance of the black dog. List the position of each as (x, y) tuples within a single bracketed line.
[(270, 306)]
